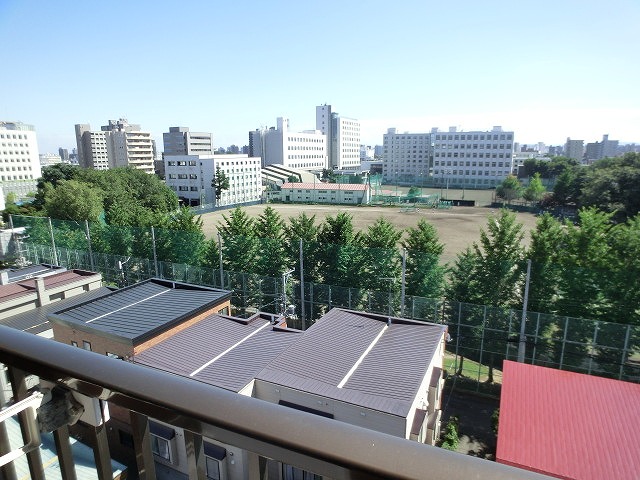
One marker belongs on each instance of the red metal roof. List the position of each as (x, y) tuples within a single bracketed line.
[(569, 425), (325, 186)]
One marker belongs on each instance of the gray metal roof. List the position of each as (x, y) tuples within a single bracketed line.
[(393, 360), (36, 321), (143, 310), (224, 351)]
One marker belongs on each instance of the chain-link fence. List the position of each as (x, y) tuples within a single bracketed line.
[(481, 336)]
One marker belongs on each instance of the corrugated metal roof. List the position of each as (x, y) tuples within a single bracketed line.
[(240, 348), (381, 366), (567, 424), (142, 310), (325, 186), (36, 321)]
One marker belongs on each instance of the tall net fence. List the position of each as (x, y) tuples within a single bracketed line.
[(481, 337)]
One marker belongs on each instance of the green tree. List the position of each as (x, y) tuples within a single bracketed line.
[(340, 255), (73, 200), (303, 227), (510, 189), (273, 259), (239, 243), (535, 190), (613, 185), (424, 274), (381, 264), (220, 183), (180, 238), (545, 252)]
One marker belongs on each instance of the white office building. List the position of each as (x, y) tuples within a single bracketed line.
[(343, 138), (19, 159), (190, 176), (306, 150), (406, 156), (48, 159), (118, 144), (474, 159)]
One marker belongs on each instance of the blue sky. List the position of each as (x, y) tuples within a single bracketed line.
[(546, 69)]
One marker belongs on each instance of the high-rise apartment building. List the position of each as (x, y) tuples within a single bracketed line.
[(19, 159), (181, 141), (574, 149), (598, 150), (118, 144), (306, 150), (343, 138), (478, 159)]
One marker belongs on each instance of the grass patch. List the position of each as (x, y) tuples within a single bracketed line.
[(470, 370)]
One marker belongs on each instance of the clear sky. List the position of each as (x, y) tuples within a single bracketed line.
[(547, 69)]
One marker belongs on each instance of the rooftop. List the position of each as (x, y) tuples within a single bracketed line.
[(220, 350), (327, 186), (36, 321), (578, 426), (27, 286), (141, 311), (359, 358)]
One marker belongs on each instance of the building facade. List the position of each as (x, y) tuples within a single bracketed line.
[(19, 158), (118, 144), (190, 176), (181, 141), (343, 138), (574, 149), (334, 193), (306, 150), (599, 150), (473, 159)]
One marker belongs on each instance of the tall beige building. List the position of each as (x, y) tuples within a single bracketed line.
[(118, 144)]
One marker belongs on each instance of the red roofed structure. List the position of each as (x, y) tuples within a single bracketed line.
[(569, 425)]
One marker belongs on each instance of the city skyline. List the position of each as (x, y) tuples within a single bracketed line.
[(538, 70)]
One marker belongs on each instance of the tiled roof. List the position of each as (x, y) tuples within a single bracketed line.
[(36, 321), (143, 310), (220, 350), (325, 186), (358, 358), (568, 425)]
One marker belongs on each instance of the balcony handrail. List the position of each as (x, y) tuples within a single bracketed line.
[(323, 446)]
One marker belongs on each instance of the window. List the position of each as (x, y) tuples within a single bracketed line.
[(86, 345), (161, 439), (293, 473), (74, 343), (214, 454)]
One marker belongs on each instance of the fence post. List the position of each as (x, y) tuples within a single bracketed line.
[(86, 229), (53, 243), (523, 338), (302, 309), (220, 260), (403, 286), (535, 340), (155, 256), (564, 341), (623, 360)]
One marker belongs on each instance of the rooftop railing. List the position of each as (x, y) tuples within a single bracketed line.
[(267, 431)]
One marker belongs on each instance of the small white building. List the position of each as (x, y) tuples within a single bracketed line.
[(318, 192), (190, 176)]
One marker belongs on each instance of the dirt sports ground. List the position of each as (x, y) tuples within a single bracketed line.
[(457, 227)]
